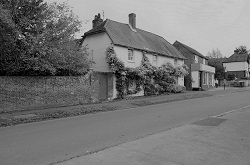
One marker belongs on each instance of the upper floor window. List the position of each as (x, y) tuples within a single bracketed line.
[(204, 61), (175, 62), (154, 59), (130, 55), (195, 59)]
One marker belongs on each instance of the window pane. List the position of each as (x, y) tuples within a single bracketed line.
[(130, 55), (175, 62), (204, 78)]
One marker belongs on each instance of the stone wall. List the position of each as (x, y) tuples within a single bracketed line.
[(20, 93)]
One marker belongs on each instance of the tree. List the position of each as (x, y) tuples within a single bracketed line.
[(8, 38), (215, 53), (230, 77), (241, 50), (215, 60), (45, 43)]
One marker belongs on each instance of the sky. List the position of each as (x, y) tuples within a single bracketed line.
[(201, 24)]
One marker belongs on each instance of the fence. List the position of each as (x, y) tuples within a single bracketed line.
[(238, 83), (19, 93)]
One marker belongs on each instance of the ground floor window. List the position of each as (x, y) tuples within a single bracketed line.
[(204, 78), (207, 78), (176, 80), (132, 85), (210, 79)]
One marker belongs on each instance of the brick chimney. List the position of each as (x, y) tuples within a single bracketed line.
[(97, 21), (132, 20)]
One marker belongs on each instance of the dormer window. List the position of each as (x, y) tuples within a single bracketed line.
[(130, 55)]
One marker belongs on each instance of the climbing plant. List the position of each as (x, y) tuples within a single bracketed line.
[(154, 80)]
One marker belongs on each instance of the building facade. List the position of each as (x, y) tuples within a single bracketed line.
[(238, 65), (201, 76), (129, 43)]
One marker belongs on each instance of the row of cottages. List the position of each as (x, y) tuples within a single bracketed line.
[(238, 65), (129, 43), (201, 76)]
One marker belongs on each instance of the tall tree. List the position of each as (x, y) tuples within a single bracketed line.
[(215, 60), (26, 17), (45, 42), (215, 53), (241, 50)]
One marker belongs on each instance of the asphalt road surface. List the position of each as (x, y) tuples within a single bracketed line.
[(56, 140)]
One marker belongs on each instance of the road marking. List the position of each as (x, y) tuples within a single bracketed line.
[(220, 95), (248, 106)]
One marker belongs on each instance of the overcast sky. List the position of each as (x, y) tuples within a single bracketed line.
[(202, 24)]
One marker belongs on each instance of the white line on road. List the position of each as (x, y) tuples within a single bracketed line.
[(248, 106)]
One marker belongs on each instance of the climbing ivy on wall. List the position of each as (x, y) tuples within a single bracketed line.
[(154, 80)]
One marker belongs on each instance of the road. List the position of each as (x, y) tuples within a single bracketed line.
[(56, 140)]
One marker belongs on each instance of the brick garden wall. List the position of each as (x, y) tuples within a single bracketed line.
[(20, 93)]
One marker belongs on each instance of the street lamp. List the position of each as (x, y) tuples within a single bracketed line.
[(225, 70)]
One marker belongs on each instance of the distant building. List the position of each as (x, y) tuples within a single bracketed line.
[(201, 76), (238, 65)]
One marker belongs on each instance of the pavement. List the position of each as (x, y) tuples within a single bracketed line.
[(223, 139)]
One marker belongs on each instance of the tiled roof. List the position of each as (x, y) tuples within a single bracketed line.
[(237, 58), (121, 34), (190, 49)]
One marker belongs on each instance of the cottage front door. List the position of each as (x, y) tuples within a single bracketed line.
[(103, 86)]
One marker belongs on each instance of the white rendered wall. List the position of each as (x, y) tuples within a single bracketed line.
[(213, 81), (195, 78), (236, 66), (181, 81), (99, 44), (122, 54)]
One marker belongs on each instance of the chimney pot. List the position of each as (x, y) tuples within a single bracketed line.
[(132, 20), (97, 20)]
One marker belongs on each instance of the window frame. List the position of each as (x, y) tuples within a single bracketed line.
[(175, 62), (132, 85), (131, 54), (196, 59), (204, 78), (154, 60), (209, 78)]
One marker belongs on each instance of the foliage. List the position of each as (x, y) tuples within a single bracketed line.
[(230, 77), (114, 63), (215, 53), (43, 40), (8, 36), (181, 71), (215, 60), (241, 50), (173, 88), (154, 80)]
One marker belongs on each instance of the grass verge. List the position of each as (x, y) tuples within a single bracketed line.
[(14, 119)]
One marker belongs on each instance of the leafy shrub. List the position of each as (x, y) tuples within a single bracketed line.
[(154, 80), (230, 77), (131, 92), (173, 88)]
